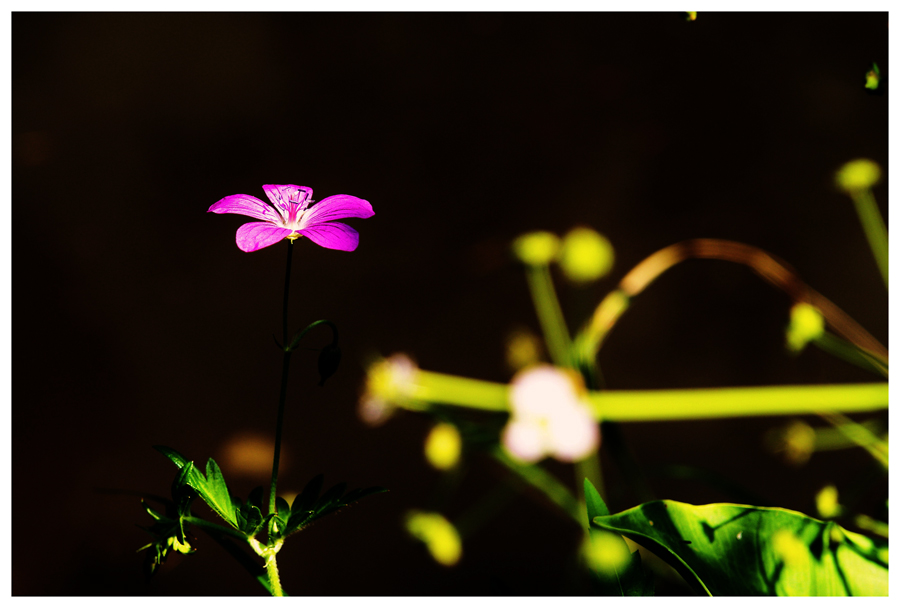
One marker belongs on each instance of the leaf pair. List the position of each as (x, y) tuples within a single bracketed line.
[(211, 487)]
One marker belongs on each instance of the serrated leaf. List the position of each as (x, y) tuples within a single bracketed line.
[(728, 549), (330, 502), (356, 495), (307, 498), (330, 497), (216, 493)]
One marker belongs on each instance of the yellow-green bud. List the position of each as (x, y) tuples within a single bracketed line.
[(858, 175), (827, 502), (438, 534), (586, 255), (873, 77), (806, 325), (536, 248), (443, 446)]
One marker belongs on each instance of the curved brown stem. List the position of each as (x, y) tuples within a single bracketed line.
[(771, 270)]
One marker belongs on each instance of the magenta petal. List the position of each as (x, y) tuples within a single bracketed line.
[(244, 204), (288, 193), (333, 236), (257, 235), (337, 207)]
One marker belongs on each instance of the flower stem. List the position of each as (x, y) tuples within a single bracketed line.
[(550, 315), (671, 404), (874, 227), (285, 361)]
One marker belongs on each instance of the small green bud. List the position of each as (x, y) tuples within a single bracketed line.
[(859, 174), (329, 359), (805, 326), (536, 248), (586, 255), (873, 77)]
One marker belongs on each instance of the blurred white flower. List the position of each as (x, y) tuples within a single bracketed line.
[(549, 417)]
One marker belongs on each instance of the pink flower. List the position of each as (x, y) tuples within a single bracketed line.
[(549, 417), (290, 216)]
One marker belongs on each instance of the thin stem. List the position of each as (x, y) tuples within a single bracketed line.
[(550, 315), (873, 226), (286, 359), (287, 288), (544, 481), (591, 337)]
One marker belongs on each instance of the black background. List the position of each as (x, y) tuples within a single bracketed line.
[(137, 321)]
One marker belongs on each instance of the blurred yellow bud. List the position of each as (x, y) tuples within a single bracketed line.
[(523, 348), (806, 325), (443, 446), (790, 548), (858, 175), (605, 552), (586, 255), (827, 502), (536, 248), (438, 534), (797, 441), (691, 15)]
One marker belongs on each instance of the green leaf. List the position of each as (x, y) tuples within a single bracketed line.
[(307, 508), (216, 493), (332, 496), (307, 498), (728, 549), (256, 497), (616, 570), (212, 488), (249, 518), (283, 512), (595, 505)]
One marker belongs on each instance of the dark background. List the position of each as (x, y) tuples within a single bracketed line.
[(137, 321)]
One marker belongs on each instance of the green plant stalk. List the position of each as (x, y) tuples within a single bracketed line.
[(851, 353), (873, 226), (860, 435), (549, 485), (550, 316), (672, 404), (268, 553), (286, 359)]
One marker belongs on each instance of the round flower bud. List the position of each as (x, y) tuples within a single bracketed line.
[(443, 446), (586, 255), (806, 325), (858, 175), (536, 248), (827, 502)]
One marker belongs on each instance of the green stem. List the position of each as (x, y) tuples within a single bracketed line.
[(549, 485), (672, 404), (873, 226), (851, 353), (285, 361), (550, 316), (274, 578)]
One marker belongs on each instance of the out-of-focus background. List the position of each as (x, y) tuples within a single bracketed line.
[(137, 321)]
